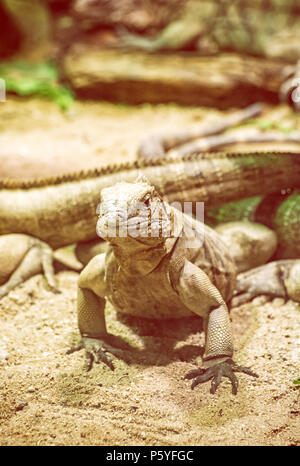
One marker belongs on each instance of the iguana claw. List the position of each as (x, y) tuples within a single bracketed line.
[(223, 369), (96, 350)]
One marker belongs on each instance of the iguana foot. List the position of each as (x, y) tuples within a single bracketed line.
[(216, 372), (22, 257), (97, 349)]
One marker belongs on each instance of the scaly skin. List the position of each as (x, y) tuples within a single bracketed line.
[(61, 210), (280, 212), (161, 267)]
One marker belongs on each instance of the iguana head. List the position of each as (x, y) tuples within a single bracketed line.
[(133, 211)]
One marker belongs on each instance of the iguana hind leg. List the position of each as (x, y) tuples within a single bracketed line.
[(22, 257), (250, 244), (276, 279)]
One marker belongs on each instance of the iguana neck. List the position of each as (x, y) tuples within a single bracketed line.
[(137, 258), (142, 255)]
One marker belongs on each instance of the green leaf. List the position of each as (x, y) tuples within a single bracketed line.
[(296, 381), (41, 79)]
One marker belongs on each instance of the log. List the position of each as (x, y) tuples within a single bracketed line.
[(133, 77)]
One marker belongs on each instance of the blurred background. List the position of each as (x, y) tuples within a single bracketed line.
[(87, 79)]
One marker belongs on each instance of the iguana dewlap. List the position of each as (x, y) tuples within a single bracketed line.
[(176, 273)]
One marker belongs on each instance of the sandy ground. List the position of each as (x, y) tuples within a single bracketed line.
[(47, 398)]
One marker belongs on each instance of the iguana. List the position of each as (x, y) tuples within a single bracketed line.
[(62, 210), (162, 263)]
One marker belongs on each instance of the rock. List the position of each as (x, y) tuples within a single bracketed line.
[(21, 405)]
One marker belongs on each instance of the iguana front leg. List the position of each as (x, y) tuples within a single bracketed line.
[(199, 294), (95, 339)]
